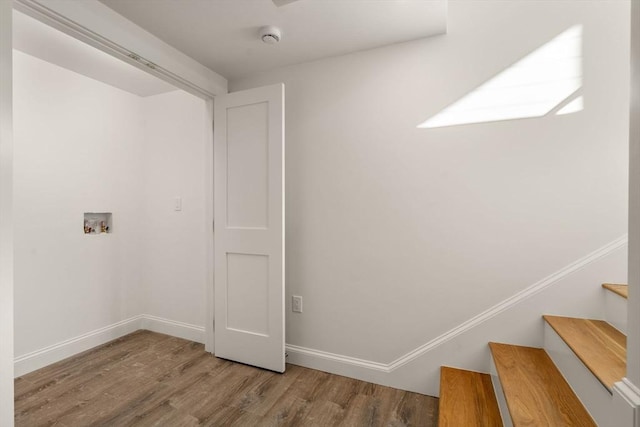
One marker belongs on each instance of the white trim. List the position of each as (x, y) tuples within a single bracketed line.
[(54, 353), (626, 401), (40, 358), (209, 343), (300, 355), (6, 217), (510, 302), (633, 325), (183, 330), (466, 326), (47, 15), (55, 14), (628, 391), (303, 351)]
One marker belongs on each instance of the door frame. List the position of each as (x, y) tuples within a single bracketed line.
[(56, 20)]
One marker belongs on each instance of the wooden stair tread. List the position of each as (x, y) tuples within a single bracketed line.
[(467, 399), (536, 392), (620, 289), (600, 346)]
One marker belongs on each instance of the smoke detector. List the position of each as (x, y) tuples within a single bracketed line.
[(270, 34)]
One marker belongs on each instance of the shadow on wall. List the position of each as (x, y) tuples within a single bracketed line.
[(547, 81)]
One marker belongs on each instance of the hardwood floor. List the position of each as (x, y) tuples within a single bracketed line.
[(149, 379), (467, 399), (536, 392), (601, 347), (620, 289)]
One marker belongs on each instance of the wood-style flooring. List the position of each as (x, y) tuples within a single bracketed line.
[(150, 379)]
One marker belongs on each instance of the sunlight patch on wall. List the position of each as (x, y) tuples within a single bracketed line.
[(572, 107), (532, 87)]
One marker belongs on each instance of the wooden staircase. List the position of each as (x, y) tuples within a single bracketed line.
[(542, 387), (467, 399)]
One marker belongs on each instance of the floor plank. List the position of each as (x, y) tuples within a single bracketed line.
[(535, 391), (467, 399), (600, 346), (149, 379)]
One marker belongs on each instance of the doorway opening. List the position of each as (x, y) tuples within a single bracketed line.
[(95, 135)]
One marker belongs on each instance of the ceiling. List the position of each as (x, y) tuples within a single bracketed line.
[(223, 34), (42, 41)]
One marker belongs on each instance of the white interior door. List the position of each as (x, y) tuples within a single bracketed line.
[(249, 226)]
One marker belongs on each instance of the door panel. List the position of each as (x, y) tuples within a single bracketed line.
[(248, 166), (249, 232), (248, 287)]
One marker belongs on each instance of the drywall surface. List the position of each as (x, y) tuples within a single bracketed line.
[(573, 291), (94, 17), (6, 217), (173, 245), (78, 149), (83, 146), (397, 234)]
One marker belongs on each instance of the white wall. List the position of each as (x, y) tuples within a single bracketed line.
[(83, 146), (6, 217), (78, 149), (92, 17), (396, 234), (173, 247), (573, 291)]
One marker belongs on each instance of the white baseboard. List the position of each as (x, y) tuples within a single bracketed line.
[(173, 328), (54, 353), (516, 319), (573, 291)]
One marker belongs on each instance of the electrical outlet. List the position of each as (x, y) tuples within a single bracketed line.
[(296, 304)]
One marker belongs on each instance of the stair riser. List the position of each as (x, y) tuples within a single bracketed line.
[(593, 395), (502, 402), (616, 311)]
